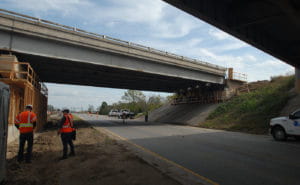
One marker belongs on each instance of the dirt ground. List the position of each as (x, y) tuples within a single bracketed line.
[(98, 160)]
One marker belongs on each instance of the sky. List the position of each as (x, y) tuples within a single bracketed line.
[(152, 23)]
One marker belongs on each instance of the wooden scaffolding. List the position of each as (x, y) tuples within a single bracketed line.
[(25, 88)]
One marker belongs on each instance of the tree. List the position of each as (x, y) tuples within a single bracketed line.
[(154, 102), (91, 108), (104, 108), (131, 96), (50, 108)]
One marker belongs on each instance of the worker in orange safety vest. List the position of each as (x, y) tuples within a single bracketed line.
[(26, 123), (66, 130)]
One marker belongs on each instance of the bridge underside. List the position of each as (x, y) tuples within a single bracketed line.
[(54, 70), (59, 62), (270, 25)]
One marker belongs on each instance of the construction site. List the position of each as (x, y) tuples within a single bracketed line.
[(105, 161), (213, 121), (26, 88)]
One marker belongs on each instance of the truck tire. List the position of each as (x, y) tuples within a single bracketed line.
[(278, 133)]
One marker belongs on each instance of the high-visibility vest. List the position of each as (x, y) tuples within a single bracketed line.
[(25, 121), (73, 129), (67, 125)]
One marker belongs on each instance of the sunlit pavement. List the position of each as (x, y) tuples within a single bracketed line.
[(227, 158)]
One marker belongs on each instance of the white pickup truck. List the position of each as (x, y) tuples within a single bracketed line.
[(282, 127)]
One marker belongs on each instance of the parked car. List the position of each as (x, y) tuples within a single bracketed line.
[(126, 113), (113, 113), (283, 127)]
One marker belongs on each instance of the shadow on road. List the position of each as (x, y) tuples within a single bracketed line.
[(119, 123)]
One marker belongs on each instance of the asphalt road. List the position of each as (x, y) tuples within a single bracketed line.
[(228, 158)]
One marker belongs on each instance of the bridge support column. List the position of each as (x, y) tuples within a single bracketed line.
[(297, 80)]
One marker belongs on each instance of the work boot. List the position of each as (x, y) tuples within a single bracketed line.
[(28, 161), (63, 158), (72, 154), (20, 160)]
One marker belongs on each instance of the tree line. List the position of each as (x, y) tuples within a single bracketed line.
[(134, 100)]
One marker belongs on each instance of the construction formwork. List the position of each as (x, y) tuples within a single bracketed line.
[(25, 88)]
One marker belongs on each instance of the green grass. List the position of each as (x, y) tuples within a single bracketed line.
[(251, 112)]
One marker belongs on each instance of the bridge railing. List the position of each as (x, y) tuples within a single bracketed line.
[(239, 76), (232, 75), (119, 41)]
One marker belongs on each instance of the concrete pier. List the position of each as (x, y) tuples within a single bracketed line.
[(297, 80)]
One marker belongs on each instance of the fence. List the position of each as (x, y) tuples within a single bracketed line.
[(4, 106), (236, 76)]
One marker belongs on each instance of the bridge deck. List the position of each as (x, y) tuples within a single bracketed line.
[(59, 50)]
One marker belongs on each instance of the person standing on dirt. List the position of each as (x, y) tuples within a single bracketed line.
[(26, 123), (66, 129)]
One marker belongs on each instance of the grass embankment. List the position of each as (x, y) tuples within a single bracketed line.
[(251, 112)]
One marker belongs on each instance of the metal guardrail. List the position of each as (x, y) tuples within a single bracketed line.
[(236, 76), (239, 76), (134, 45)]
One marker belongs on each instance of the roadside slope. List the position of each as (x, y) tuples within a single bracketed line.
[(251, 112), (190, 114)]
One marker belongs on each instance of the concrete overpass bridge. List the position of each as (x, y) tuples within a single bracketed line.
[(63, 54), (270, 25)]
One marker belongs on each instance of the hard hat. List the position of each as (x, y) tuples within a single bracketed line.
[(28, 106)]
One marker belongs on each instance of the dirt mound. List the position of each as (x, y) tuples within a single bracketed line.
[(98, 160), (292, 105), (252, 86), (191, 114)]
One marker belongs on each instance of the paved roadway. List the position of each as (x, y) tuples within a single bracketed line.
[(227, 158)]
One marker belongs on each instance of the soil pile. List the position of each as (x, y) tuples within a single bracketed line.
[(98, 160)]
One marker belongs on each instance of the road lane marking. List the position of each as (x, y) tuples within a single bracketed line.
[(161, 157)]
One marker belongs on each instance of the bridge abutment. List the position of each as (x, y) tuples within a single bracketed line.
[(297, 80)]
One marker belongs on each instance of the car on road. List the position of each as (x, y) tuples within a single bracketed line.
[(283, 127), (113, 113)]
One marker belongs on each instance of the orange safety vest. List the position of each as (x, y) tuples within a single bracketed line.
[(72, 122), (25, 121), (68, 124)]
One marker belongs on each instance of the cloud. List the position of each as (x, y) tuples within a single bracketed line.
[(270, 63), (80, 97), (250, 58), (65, 7), (173, 24), (218, 34), (163, 20), (229, 46)]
